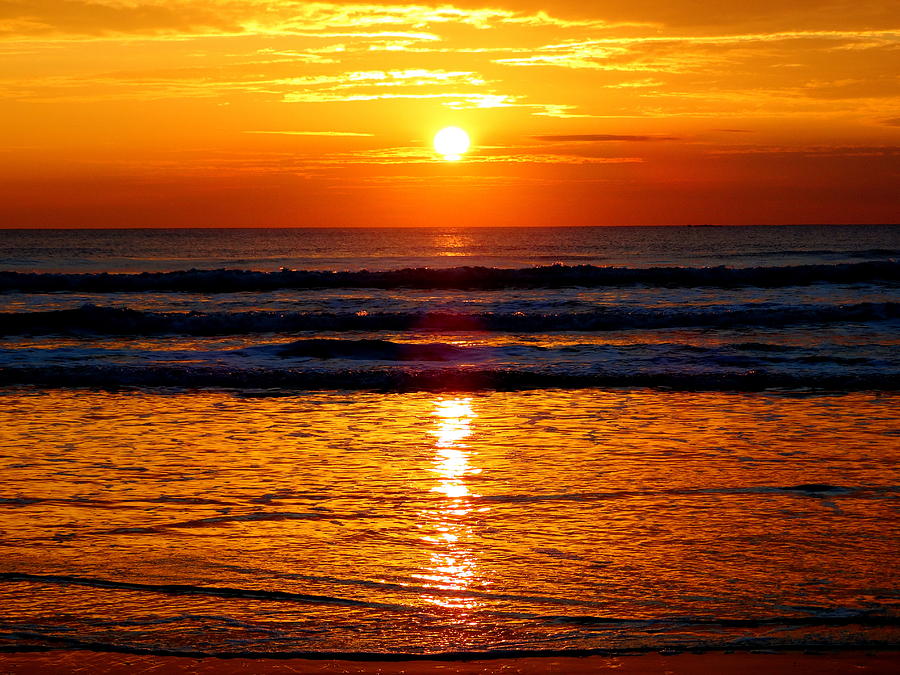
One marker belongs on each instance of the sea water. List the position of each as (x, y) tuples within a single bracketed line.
[(363, 442)]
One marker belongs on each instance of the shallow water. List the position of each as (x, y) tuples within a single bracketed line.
[(412, 523)]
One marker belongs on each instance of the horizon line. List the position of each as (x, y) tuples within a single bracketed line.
[(429, 227)]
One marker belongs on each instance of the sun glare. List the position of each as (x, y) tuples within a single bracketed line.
[(452, 143)]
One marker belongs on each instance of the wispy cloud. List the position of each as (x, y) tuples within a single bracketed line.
[(455, 100), (597, 138), (461, 57), (311, 133), (420, 155), (412, 77), (114, 19), (812, 150), (667, 53)]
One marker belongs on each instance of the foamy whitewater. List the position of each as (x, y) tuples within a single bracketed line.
[(476, 441)]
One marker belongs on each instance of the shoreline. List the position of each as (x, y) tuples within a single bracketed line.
[(62, 662)]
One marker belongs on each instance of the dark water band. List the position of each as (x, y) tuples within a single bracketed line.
[(91, 319), (478, 278)]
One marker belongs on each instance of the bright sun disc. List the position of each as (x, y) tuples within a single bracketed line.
[(451, 142)]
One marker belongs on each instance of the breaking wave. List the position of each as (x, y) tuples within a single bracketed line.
[(91, 319), (476, 278)]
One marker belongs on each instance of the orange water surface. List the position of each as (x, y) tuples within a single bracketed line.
[(418, 523)]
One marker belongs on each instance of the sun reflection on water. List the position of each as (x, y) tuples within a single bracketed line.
[(452, 244), (453, 565)]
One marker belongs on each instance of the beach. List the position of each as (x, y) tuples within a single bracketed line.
[(63, 663)]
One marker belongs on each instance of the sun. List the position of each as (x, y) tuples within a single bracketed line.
[(451, 142)]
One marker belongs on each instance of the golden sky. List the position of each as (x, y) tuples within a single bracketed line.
[(280, 113)]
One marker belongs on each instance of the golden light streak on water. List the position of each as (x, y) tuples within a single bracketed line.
[(453, 564)]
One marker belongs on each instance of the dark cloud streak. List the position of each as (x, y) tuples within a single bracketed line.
[(600, 138)]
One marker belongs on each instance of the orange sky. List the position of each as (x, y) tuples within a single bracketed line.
[(120, 113)]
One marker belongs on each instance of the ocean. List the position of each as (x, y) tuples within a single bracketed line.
[(462, 443)]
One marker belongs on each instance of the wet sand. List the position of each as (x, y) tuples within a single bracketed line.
[(64, 662)]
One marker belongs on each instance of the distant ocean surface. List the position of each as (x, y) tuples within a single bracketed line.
[(468, 441)]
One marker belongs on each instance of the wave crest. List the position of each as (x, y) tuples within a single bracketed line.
[(474, 278), (91, 319)]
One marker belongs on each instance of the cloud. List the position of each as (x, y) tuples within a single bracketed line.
[(117, 18), (813, 150), (82, 18), (596, 138), (311, 133), (206, 82), (411, 77), (636, 84), (682, 53), (465, 55), (456, 100), (852, 88), (453, 99), (485, 155), (696, 15)]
